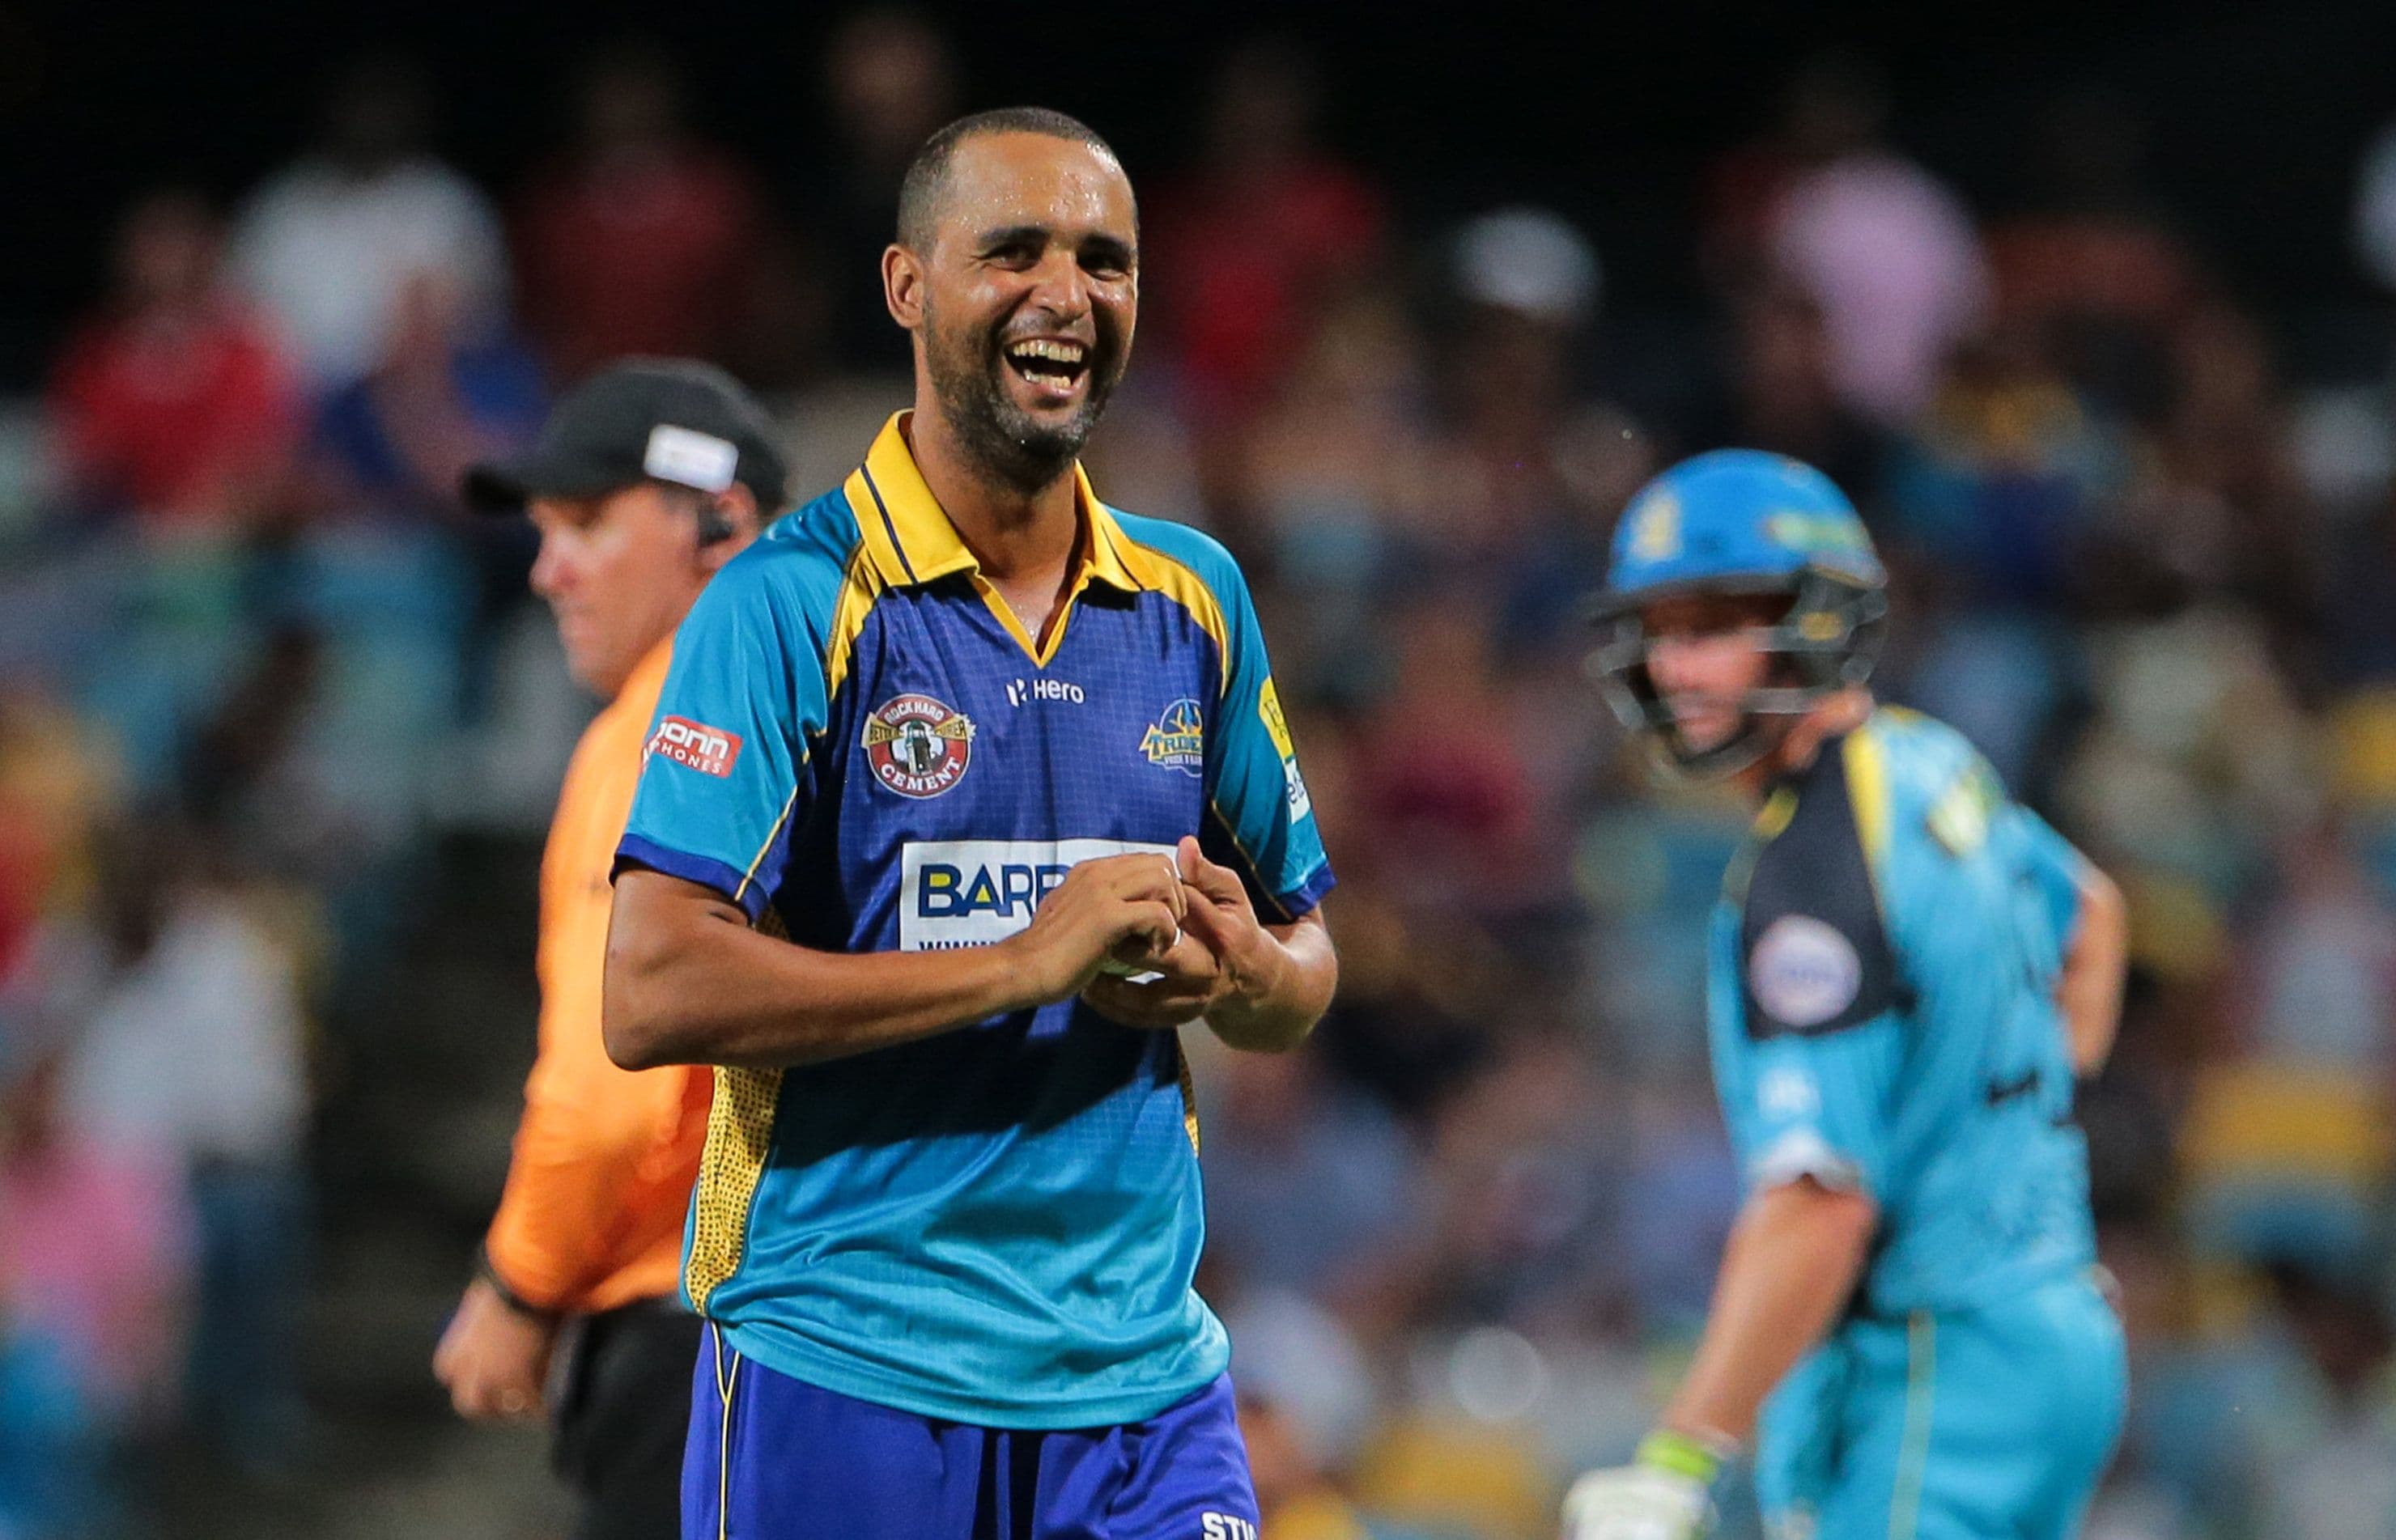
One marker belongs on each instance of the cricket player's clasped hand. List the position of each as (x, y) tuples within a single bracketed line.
[(1664, 1494), (1222, 952), (1124, 908)]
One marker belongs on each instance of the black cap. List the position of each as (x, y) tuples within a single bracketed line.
[(667, 420)]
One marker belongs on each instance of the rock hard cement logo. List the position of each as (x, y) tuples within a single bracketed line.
[(695, 745), (1177, 739), (918, 746)]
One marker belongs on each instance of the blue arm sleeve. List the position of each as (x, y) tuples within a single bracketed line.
[(727, 771), (2058, 870), (1262, 824), (1817, 1105)]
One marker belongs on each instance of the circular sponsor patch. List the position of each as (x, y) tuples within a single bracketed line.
[(1803, 972), (918, 746)]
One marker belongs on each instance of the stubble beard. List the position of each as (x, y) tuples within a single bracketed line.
[(1010, 446)]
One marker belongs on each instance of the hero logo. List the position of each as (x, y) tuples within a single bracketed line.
[(1020, 690), (1227, 1526), (695, 745), (969, 892)]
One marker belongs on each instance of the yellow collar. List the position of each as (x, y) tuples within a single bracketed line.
[(911, 541)]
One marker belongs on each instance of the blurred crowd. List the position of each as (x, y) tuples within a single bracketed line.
[(257, 670)]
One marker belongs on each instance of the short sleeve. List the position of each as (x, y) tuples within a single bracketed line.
[(1820, 1106), (1262, 817), (1822, 1006), (726, 771)]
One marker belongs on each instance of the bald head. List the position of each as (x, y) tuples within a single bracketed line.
[(925, 189)]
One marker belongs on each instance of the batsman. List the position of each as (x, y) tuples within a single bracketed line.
[(1908, 975)]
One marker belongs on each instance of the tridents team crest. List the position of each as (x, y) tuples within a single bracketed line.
[(1177, 739), (917, 746)]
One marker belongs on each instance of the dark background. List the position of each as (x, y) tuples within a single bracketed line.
[(1606, 113)]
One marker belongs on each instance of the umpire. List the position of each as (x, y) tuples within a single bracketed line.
[(646, 479)]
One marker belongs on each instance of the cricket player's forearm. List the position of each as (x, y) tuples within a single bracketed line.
[(1787, 1276), (2095, 967), (1291, 998), (689, 982)]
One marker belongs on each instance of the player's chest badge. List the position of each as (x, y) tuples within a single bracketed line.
[(1176, 740), (917, 746)]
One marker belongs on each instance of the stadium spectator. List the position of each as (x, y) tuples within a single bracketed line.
[(2323, 964), (2114, 578), (1529, 472), (644, 239), (50, 1472), (1307, 1403), (392, 443), (328, 245), (1887, 250), (193, 1046), (174, 404), (890, 78), (2374, 208), (95, 1247), (2092, 266), (1332, 481), (1447, 773), (1265, 229), (1781, 397), (1307, 1182), (2324, 1455)]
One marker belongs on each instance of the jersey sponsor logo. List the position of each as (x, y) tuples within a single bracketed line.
[(969, 892), (1276, 724), (695, 745), (1023, 691), (1788, 1093), (1294, 786), (1814, 532), (1225, 1526), (1960, 819), (918, 746), (1277, 728), (1804, 972), (1176, 740)]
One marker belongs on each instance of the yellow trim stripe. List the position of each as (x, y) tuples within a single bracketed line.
[(1106, 539), (1256, 870), (1868, 785), (861, 587), (1184, 586), (771, 835), (724, 1388), (1188, 1094), (857, 593), (1913, 1455), (1769, 825)]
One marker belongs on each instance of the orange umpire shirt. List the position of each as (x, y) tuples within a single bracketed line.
[(592, 1214)]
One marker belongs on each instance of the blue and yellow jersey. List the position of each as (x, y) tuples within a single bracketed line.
[(1884, 1017), (859, 744)]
